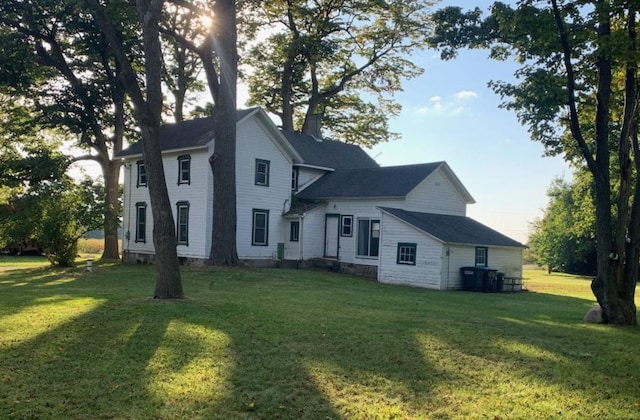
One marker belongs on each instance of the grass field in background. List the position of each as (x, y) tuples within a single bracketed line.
[(276, 343)]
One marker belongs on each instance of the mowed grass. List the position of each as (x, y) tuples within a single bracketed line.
[(275, 343)]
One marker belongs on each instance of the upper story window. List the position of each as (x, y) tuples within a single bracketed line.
[(482, 256), (182, 228), (368, 237), (184, 169), (262, 172), (141, 180), (294, 179), (141, 222)]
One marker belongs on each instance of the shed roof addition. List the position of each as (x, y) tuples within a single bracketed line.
[(453, 229)]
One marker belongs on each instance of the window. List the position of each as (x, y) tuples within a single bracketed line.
[(184, 169), (346, 226), (368, 237), (294, 179), (406, 253), (262, 172), (142, 174), (294, 231), (260, 229), (481, 256), (141, 222), (182, 228)]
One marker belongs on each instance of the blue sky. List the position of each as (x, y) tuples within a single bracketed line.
[(450, 114)]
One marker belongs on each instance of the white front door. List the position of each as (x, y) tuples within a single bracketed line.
[(332, 226)]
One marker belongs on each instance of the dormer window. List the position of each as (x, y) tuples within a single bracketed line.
[(141, 180), (262, 172), (184, 169)]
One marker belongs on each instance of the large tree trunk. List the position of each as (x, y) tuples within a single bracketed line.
[(148, 111), (110, 172), (614, 264), (223, 162)]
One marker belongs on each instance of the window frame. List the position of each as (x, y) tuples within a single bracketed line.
[(141, 233), (182, 206), (265, 173), (407, 249), (343, 219), (485, 256), (265, 213), (370, 238), (184, 159), (141, 176), (294, 233)]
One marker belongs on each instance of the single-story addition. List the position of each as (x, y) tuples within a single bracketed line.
[(305, 201), (428, 250)]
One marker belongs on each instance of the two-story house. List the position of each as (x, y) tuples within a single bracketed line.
[(305, 199)]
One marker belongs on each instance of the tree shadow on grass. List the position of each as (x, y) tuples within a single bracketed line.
[(268, 344)]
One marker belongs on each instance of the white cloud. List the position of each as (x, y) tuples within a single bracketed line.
[(464, 94), (435, 99)]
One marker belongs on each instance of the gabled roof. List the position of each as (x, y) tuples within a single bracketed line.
[(329, 153), (389, 181), (185, 134), (453, 229)]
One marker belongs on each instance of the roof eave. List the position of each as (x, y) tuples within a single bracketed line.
[(166, 151)]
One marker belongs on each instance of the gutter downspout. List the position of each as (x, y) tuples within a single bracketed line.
[(301, 238)]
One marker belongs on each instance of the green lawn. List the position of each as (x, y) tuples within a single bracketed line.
[(300, 344)]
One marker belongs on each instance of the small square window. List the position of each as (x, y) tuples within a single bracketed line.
[(262, 172), (346, 226), (406, 253), (294, 231), (184, 169)]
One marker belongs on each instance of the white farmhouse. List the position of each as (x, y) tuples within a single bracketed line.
[(304, 201)]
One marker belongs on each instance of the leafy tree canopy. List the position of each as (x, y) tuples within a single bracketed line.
[(332, 68)]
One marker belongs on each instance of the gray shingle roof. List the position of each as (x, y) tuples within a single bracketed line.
[(183, 135), (453, 229), (389, 181), (329, 153)]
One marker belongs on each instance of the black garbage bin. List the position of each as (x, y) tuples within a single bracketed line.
[(478, 279), (499, 282)]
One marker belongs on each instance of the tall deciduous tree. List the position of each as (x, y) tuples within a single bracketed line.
[(332, 67), (219, 56), (57, 62), (576, 57), (563, 239), (148, 102)]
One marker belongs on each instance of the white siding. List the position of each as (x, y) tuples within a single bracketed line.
[(358, 209), (505, 260), (191, 193), (307, 176), (435, 194), (427, 272), (254, 143)]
